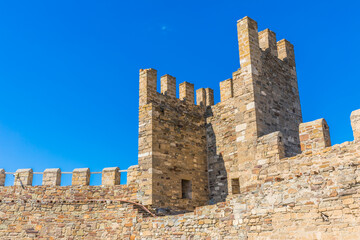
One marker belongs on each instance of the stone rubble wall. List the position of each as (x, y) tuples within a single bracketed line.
[(316, 197), (172, 143), (313, 195)]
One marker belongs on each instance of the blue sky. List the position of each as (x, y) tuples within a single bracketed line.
[(69, 69)]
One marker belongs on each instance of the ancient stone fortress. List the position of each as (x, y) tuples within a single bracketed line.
[(245, 168)]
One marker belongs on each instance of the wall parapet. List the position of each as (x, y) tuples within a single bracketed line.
[(314, 135), (355, 124), (52, 176)]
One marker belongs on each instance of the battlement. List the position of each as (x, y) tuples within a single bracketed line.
[(148, 92), (248, 166), (52, 176)]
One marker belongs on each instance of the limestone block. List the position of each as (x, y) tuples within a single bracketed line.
[(81, 176), (209, 96), (52, 177), (168, 85), (355, 124), (226, 89), (201, 97), (147, 85), (270, 146), (133, 174), (314, 135), (111, 176), (2, 177), (267, 41), (186, 92), (23, 177)]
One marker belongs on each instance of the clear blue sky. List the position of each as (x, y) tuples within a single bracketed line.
[(69, 69)]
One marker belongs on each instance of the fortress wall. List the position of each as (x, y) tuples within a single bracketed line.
[(261, 98), (179, 153), (277, 99), (68, 212), (314, 195), (62, 220), (221, 147), (172, 143), (310, 196)]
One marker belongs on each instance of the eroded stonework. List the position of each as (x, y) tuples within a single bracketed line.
[(245, 168)]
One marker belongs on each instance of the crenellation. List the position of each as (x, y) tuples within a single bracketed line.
[(209, 96), (246, 167), (355, 124), (147, 85), (2, 177), (226, 89), (110, 176), (81, 176), (201, 97), (23, 177), (314, 135), (186, 92), (168, 85), (249, 50), (267, 41), (286, 52), (52, 177)]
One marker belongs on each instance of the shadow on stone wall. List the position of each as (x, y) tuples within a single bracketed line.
[(218, 178)]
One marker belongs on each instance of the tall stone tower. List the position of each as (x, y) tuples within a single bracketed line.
[(192, 154), (261, 98)]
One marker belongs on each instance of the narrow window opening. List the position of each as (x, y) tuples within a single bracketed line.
[(186, 189), (235, 186)]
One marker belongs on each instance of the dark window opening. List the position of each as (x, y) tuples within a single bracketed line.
[(186, 189), (235, 186)]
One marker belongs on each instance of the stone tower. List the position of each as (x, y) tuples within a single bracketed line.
[(192, 154)]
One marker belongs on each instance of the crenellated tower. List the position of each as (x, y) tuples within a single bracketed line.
[(172, 143), (189, 154), (261, 98)]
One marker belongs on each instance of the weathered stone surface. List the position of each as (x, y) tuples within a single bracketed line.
[(241, 155), (2, 177), (52, 177), (23, 177), (314, 135), (355, 124), (81, 176), (294, 198), (111, 176)]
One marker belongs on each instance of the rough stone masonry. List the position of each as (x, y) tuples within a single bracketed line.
[(245, 168)]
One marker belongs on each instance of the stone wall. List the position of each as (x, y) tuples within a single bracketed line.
[(261, 98), (309, 196), (172, 145)]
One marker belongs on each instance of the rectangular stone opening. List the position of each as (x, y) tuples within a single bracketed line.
[(186, 189), (235, 186)]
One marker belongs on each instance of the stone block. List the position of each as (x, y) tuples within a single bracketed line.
[(314, 135), (226, 90), (267, 41), (168, 85), (201, 97), (147, 85), (81, 176), (2, 177), (111, 176), (270, 146), (133, 174), (52, 177), (286, 52), (209, 96), (186, 92), (355, 124), (23, 177)]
